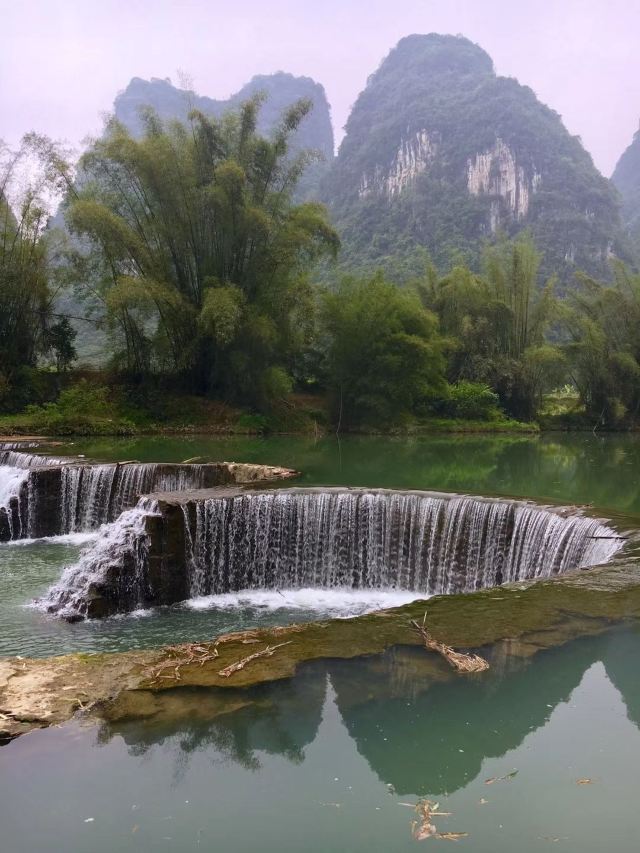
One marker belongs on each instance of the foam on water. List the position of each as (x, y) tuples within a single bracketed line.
[(119, 542), (344, 601), (63, 539)]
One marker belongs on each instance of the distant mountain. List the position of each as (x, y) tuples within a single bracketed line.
[(440, 154), (626, 178), (281, 89)]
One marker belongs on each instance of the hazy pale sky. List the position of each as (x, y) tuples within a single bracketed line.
[(63, 61)]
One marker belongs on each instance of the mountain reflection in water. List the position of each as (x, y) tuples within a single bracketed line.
[(396, 707), (335, 758)]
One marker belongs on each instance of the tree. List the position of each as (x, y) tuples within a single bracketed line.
[(59, 341), (496, 325), (603, 324), (203, 258), (26, 197), (384, 359)]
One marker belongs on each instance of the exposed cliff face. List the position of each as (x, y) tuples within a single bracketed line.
[(497, 173), (281, 89), (626, 178), (413, 157), (441, 154)]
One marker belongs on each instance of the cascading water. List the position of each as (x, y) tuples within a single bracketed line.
[(17, 459), (96, 494), (118, 556), (81, 496), (12, 481), (429, 543), (15, 468), (421, 542)]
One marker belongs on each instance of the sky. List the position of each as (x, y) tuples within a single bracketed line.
[(62, 62)]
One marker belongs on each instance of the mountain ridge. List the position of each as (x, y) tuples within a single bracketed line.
[(626, 178), (441, 154)]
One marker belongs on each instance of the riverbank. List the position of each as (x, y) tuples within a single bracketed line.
[(195, 416), (89, 409)]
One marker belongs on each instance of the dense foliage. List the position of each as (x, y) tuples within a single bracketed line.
[(498, 325), (202, 257), (385, 356), (28, 330), (604, 347), (190, 237)]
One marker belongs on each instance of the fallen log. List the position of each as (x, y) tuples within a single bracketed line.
[(459, 661)]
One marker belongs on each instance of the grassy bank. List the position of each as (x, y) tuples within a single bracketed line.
[(93, 407)]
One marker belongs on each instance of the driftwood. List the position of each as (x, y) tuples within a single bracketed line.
[(186, 654), (425, 828), (240, 664), (459, 661)]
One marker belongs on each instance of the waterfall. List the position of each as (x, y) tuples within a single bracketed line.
[(12, 481), (96, 494), (428, 543), (15, 468), (335, 539), (48, 496), (16, 459), (118, 558)]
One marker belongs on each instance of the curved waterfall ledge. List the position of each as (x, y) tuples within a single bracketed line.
[(172, 547), (49, 496)]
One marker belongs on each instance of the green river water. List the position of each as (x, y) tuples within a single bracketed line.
[(335, 758), (579, 468)]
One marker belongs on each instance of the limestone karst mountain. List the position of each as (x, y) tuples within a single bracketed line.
[(281, 90), (441, 154), (626, 178)]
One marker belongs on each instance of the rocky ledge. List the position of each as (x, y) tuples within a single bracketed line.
[(521, 619)]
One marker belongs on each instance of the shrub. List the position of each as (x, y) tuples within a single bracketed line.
[(470, 401)]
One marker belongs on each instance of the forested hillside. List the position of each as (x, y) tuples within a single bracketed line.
[(441, 155), (626, 177)]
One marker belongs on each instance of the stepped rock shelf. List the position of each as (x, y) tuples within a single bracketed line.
[(207, 529)]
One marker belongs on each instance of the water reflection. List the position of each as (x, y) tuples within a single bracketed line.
[(568, 467), (329, 761), (420, 729), (277, 720)]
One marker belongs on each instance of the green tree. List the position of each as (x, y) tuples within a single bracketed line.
[(26, 197), (203, 259), (59, 342), (385, 358), (603, 324), (497, 324)]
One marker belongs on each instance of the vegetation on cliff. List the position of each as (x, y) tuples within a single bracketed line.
[(441, 154), (626, 178)]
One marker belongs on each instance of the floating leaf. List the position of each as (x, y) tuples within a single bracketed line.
[(584, 781), (452, 836)]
